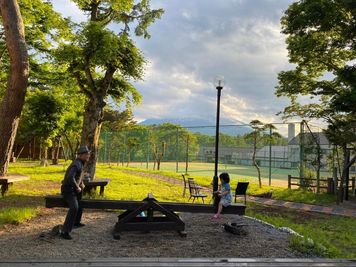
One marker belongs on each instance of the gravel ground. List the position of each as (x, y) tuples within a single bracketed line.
[(205, 238)]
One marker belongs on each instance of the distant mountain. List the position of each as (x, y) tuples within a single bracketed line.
[(204, 126)]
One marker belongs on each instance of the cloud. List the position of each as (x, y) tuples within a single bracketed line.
[(69, 9), (196, 40), (199, 39)]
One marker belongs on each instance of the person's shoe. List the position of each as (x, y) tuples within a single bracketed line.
[(77, 225), (66, 236), (216, 217)]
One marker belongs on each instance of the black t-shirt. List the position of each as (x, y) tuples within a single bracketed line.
[(71, 177)]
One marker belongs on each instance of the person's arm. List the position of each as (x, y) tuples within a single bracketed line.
[(71, 177)]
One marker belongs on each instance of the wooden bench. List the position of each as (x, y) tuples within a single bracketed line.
[(91, 185), (58, 201), (9, 179)]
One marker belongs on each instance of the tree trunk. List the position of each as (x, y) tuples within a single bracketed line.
[(128, 158), (255, 163), (11, 105), (347, 165), (93, 118), (44, 156), (55, 151)]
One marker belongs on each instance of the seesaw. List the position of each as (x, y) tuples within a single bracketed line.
[(130, 219)]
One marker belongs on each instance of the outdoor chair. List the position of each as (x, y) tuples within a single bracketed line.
[(194, 190), (241, 189)]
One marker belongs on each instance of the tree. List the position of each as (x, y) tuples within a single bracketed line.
[(42, 114), (12, 102), (321, 43), (44, 29), (259, 135), (103, 61)]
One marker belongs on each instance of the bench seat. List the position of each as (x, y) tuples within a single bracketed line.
[(9, 179), (58, 201)]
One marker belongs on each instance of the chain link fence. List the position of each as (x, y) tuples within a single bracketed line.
[(301, 149)]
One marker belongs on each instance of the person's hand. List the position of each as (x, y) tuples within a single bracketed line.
[(82, 186), (78, 190)]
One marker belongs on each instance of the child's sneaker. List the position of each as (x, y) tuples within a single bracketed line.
[(216, 217)]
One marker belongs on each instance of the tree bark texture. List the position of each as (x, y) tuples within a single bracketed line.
[(12, 103), (44, 156), (347, 165), (93, 118), (55, 151), (255, 162)]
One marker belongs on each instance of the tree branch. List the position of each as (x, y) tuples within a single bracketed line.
[(81, 84)]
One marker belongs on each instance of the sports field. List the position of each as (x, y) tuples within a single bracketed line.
[(237, 172)]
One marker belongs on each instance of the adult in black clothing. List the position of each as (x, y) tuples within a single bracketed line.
[(72, 187)]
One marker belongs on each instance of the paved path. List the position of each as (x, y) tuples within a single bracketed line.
[(304, 207), (335, 210)]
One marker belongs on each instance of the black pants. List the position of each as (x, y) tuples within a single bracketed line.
[(74, 214)]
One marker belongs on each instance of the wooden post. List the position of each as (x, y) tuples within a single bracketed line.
[(289, 181), (331, 186)]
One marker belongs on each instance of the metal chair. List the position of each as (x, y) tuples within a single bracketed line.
[(194, 190), (241, 189)]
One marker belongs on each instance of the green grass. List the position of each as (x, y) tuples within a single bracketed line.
[(334, 233), (24, 199), (17, 215), (295, 195), (337, 234)]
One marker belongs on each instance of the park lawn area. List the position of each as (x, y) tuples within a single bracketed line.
[(25, 200), (333, 236), (294, 195)]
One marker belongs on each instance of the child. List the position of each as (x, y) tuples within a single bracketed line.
[(224, 193)]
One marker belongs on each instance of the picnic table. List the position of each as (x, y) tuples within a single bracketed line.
[(9, 179), (91, 185)]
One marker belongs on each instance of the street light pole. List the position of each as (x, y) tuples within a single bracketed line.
[(219, 84)]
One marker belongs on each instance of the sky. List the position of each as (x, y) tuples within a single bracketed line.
[(196, 40)]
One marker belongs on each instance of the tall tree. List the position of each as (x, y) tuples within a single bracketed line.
[(103, 61), (44, 29), (12, 102), (258, 136), (322, 44)]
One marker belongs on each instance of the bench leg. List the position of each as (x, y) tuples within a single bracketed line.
[(4, 188), (101, 190)]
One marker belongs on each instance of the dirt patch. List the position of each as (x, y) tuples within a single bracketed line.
[(205, 238)]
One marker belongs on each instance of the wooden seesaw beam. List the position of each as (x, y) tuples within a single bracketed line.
[(58, 201)]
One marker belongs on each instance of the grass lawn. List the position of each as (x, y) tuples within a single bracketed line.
[(25, 200), (294, 195)]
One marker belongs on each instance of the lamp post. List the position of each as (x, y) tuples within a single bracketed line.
[(219, 83)]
